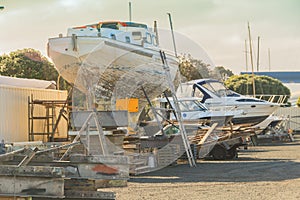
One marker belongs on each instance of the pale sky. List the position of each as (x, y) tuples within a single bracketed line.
[(218, 26)]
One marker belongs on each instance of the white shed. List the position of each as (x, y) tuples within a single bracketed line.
[(14, 94)]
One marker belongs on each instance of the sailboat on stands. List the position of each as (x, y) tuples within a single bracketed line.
[(116, 57)]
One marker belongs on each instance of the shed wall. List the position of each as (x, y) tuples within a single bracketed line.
[(14, 112)]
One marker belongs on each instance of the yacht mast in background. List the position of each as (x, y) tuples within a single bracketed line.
[(251, 56)]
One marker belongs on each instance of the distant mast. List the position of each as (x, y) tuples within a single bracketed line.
[(246, 54), (130, 18), (251, 56), (258, 53), (269, 56)]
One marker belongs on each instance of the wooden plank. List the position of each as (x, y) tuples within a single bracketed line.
[(29, 154), (212, 128)]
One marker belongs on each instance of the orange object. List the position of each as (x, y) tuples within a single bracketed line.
[(131, 105)]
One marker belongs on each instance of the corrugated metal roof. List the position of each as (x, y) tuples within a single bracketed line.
[(27, 83)]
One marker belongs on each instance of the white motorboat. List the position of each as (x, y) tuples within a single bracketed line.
[(192, 110), (217, 97), (271, 121), (114, 58)]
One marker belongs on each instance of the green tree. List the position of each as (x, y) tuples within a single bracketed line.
[(264, 85), (29, 63), (192, 68), (220, 73)]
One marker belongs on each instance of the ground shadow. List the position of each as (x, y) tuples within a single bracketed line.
[(241, 171), (248, 167)]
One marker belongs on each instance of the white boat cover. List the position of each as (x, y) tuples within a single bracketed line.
[(27, 83)]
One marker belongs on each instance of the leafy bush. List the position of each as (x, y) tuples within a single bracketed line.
[(29, 63), (264, 85), (192, 69)]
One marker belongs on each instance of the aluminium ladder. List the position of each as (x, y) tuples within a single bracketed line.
[(177, 111)]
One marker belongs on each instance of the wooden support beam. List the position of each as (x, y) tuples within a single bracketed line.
[(210, 130)]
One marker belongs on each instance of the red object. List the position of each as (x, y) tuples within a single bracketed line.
[(104, 169)]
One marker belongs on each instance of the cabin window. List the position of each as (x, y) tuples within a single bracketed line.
[(127, 39), (137, 35), (187, 106), (198, 93), (113, 36), (110, 25), (148, 38), (249, 100)]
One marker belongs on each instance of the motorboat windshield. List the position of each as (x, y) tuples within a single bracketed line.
[(205, 89), (217, 88), (191, 105)]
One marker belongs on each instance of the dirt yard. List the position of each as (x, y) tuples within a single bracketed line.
[(262, 172)]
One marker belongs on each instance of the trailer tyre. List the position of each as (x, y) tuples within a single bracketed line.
[(218, 153), (232, 153)]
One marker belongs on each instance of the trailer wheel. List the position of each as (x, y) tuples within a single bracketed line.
[(232, 153), (218, 153)]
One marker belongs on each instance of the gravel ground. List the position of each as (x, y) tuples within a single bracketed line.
[(262, 172)]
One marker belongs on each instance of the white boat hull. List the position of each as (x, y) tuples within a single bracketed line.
[(118, 69), (248, 113)]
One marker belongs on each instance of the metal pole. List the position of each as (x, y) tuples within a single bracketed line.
[(250, 43), (156, 32), (171, 26), (258, 53), (153, 111), (246, 54), (269, 56), (130, 11)]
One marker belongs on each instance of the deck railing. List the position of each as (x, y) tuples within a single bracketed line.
[(280, 99)]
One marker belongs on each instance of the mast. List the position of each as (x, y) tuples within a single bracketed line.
[(174, 44), (269, 56), (258, 53), (171, 26), (130, 12), (246, 54), (251, 56), (156, 32)]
